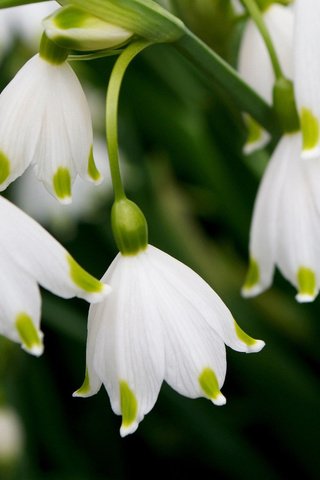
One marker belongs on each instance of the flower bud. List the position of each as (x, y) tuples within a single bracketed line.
[(73, 28), (142, 17)]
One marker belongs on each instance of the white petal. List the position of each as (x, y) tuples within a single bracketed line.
[(66, 137), (265, 222), (298, 225), (191, 345), (202, 300), (125, 345), (36, 252), (20, 301), (307, 73), (20, 121)]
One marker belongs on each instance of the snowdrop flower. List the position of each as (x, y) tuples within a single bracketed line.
[(29, 255), (160, 322), (307, 71), (255, 65), (285, 229), (45, 121)]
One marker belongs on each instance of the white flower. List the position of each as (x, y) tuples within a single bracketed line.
[(255, 66), (160, 322), (76, 29), (45, 121), (28, 256), (11, 436), (307, 73), (285, 229)]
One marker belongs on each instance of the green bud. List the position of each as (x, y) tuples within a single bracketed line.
[(143, 17), (285, 106), (129, 226), (76, 29), (51, 52)]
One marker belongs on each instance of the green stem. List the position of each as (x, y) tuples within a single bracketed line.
[(257, 17), (219, 72), (112, 112)]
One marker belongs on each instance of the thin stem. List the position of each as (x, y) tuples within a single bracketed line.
[(112, 112), (257, 17)]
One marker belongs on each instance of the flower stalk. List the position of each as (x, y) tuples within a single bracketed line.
[(112, 101), (129, 225), (255, 14)]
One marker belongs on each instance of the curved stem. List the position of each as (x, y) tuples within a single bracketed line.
[(112, 112), (257, 17)]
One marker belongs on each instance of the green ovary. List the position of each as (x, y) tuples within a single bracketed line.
[(310, 129), (253, 275), (27, 331), (209, 383), (128, 403), (307, 283), (62, 183), (4, 167)]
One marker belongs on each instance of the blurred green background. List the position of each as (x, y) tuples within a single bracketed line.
[(181, 140)]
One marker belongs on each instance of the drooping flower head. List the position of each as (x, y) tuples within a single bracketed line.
[(30, 256), (45, 121), (160, 322), (285, 229)]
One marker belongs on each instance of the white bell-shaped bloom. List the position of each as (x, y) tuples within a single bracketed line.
[(160, 322), (255, 65), (307, 73), (30, 256), (285, 230), (45, 121)]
